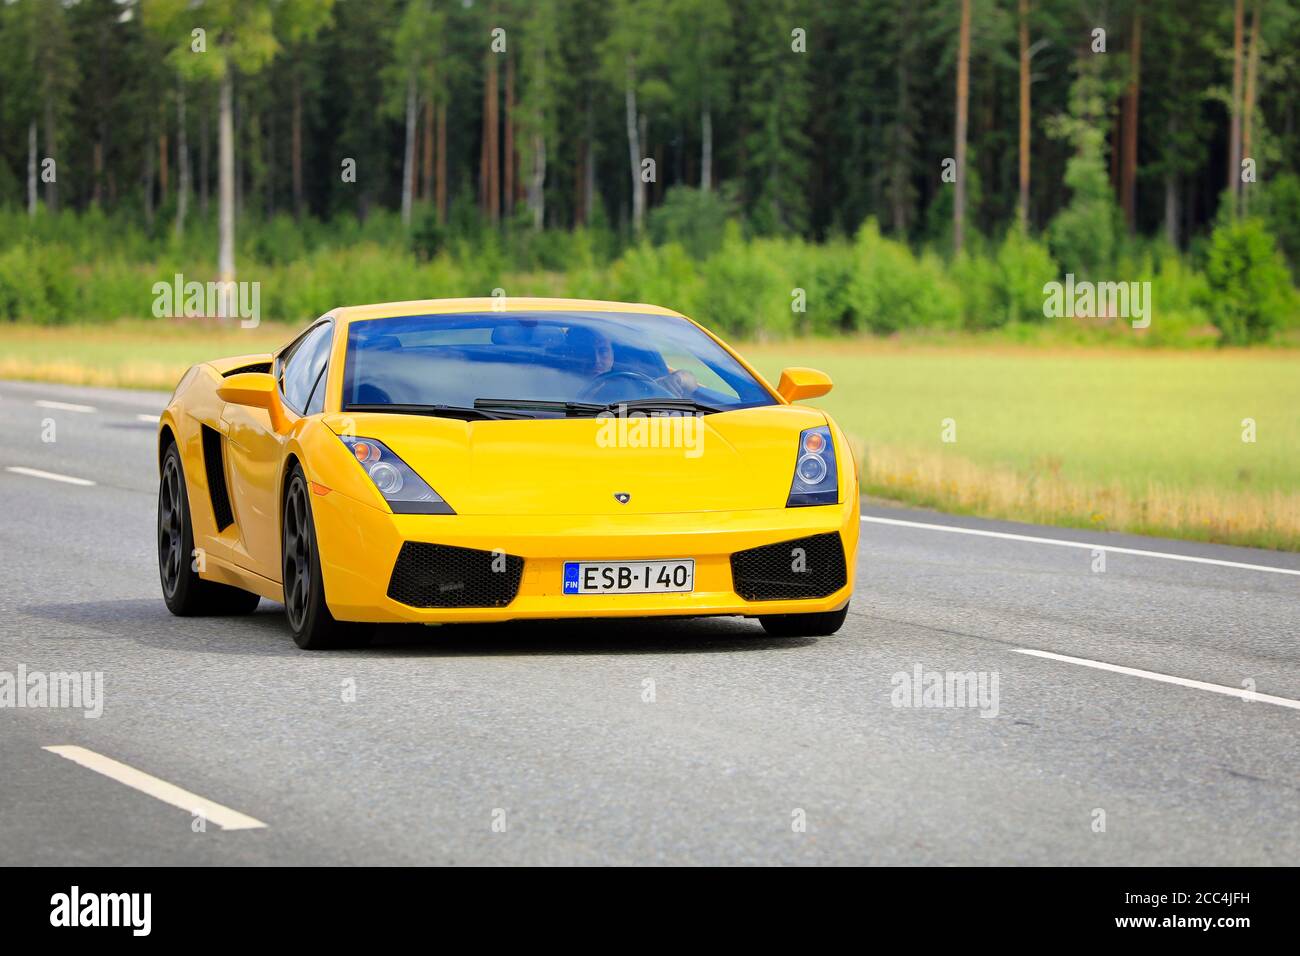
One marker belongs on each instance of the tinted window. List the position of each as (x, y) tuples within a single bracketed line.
[(303, 366), (541, 356)]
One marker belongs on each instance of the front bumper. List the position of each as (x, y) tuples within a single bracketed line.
[(359, 545)]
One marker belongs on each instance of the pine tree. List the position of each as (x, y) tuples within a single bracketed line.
[(775, 96), (239, 37), (297, 24)]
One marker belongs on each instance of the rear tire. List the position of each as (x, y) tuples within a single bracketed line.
[(310, 621), (822, 624), (187, 594)]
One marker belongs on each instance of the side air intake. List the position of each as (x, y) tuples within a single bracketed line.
[(255, 367), (214, 463)]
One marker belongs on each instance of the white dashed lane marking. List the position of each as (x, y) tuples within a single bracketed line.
[(1165, 678), (223, 817), (49, 475), (1194, 559), (64, 406)]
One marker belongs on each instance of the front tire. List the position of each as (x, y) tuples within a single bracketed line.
[(310, 621), (823, 624), (187, 594)]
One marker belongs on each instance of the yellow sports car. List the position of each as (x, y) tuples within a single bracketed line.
[(463, 460)]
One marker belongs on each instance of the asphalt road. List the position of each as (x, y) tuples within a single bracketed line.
[(536, 744)]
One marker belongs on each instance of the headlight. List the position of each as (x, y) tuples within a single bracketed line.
[(404, 490), (816, 479)]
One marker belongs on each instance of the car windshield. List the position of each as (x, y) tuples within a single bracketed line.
[(541, 364)]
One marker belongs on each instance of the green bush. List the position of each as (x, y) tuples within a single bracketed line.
[(1082, 236), (36, 284), (428, 236), (278, 240), (892, 289), (559, 250), (1249, 285), (747, 287), (368, 273), (93, 267), (1282, 210), (978, 280), (659, 275), (1179, 295), (695, 219), (825, 273), (1024, 266)]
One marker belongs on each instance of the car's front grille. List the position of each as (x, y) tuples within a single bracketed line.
[(811, 567), (439, 575)]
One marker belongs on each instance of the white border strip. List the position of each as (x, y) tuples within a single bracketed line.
[(1165, 678), (49, 475), (223, 817), (1080, 544)]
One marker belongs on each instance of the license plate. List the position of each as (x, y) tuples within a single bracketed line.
[(628, 577)]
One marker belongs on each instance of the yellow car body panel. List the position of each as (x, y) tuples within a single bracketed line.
[(539, 489), (361, 540)]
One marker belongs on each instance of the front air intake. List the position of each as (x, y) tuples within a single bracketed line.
[(439, 575), (811, 567)]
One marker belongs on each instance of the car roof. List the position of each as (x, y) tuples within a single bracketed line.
[(384, 310)]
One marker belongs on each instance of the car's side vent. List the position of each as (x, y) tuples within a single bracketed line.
[(214, 463), (255, 367)]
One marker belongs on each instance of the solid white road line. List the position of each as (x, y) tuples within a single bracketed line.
[(1080, 544), (63, 406), (223, 817), (154, 419), (49, 475), (1165, 678)]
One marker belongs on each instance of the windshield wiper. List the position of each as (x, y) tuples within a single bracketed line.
[(539, 405), (665, 403), (660, 404), (436, 411)]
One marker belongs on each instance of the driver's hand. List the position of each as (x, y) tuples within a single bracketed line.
[(681, 382)]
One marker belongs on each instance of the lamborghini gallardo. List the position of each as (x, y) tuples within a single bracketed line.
[(475, 460)]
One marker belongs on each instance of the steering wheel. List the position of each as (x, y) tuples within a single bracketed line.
[(648, 386)]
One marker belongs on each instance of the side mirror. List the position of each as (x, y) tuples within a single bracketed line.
[(800, 383), (255, 390)]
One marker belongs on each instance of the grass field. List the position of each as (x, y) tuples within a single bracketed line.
[(126, 354), (1148, 441)]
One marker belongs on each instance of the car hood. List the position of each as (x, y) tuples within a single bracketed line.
[(729, 461)]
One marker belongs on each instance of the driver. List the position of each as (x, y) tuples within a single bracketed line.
[(591, 351), (593, 354)]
